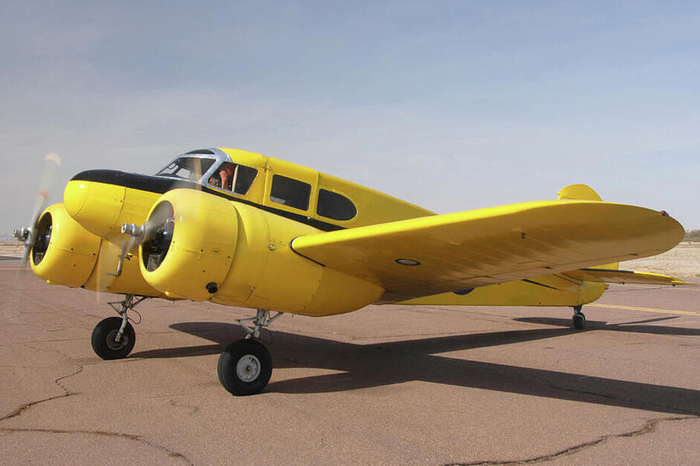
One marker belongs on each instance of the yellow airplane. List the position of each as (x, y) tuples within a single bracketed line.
[(241, 229)]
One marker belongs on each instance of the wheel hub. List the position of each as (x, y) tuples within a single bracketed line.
[(248, 368), (112, 342)]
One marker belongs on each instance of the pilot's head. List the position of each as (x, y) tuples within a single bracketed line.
[(226, 170)]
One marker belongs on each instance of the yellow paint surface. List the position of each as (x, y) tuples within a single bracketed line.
[(495, 245)]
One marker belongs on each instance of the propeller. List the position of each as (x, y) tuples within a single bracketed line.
[(34, 234), (155, 233)]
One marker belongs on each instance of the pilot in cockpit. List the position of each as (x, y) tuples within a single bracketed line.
[(223, 178)]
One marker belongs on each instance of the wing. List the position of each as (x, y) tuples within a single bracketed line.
[(494, 245)]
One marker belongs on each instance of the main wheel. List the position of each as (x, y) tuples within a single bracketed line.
[(104, 339), (579, 321), (245, 367)]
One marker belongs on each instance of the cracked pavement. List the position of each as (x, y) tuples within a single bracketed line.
[(385, 385)]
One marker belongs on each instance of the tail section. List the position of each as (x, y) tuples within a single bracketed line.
[(581, 192)]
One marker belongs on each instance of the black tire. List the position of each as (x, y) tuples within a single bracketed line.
[(579, 321), (104, 335), (245, 367)]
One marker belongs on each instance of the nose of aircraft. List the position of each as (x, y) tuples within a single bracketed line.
[(74, 197), (96, 205)]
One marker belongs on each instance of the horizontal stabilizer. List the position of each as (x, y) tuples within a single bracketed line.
[(624, 277)]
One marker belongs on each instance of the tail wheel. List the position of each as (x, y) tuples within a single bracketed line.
[(245, 367), (104, 341)]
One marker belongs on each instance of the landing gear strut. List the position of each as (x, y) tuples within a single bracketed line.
[(578, 318), (114, 337), (245, 366)]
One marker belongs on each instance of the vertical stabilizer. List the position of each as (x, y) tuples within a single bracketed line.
[(583, 192)]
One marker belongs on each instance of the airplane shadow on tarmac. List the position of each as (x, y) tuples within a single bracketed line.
[(382, 364), (632, 327)]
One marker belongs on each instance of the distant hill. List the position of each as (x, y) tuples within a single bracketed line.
[(692, 235)]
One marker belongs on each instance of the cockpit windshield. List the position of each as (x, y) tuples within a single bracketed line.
[(188, 168)]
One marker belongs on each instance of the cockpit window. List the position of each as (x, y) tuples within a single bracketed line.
[(230, 175), (188, 168)]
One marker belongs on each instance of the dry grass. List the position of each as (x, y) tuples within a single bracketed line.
[(681, 261), (11, 247), (692, 235)]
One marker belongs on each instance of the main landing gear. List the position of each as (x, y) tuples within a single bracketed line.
[(114, 337), (245, 366), (578, 318)]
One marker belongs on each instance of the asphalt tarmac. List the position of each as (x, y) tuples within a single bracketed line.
[(384, 385)]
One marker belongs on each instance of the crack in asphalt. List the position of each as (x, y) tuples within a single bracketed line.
[(648, 428), (67, 393), (132, 437), (22, 409), (192, 408)]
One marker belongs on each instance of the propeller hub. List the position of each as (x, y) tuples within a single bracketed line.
[(22, 234), (131, 229)]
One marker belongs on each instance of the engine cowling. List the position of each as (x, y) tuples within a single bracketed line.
[(191, 244), (63, 252)]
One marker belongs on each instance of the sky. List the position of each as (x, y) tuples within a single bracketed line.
[(452, 105)]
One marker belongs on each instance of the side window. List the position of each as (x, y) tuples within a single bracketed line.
[(230, 175), (244, 179), (335, 206), (290, 192)]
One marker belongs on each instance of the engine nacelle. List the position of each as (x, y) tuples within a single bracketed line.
[(191, 244), (203, 247), (63, 253)]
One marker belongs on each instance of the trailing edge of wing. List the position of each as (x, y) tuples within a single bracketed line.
[(494, 245), (624, 277)]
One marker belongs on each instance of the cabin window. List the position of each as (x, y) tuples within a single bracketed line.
[(244, 179), (230, 175), (335, 206), (189, 168), (290, 192)]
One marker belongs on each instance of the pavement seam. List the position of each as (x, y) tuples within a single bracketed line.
[(132, 437), (648, 428)]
